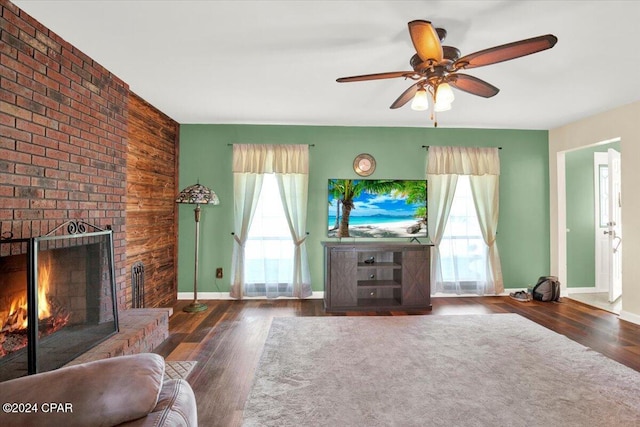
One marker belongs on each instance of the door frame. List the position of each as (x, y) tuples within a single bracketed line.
[(562, 210), (615, 224)]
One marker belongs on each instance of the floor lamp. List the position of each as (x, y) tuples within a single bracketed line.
[(197, 194)]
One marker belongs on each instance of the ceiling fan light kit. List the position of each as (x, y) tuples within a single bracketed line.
[(420, 100), (439, 107), (436, 68), (444, 98), (444, 93)]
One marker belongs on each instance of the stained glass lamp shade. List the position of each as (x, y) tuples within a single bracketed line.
[(196, 194)]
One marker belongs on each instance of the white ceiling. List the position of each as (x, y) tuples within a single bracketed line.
[(276, 62)]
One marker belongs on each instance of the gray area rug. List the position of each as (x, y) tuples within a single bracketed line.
[(176, 369), (481, 370)]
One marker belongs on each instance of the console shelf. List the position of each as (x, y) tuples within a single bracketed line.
[(376, 276), (379, 265), (378, 284)]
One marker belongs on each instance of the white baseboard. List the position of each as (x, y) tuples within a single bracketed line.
[(585, 290), (204, 296), (503, 294), (629, 317), (315, 295), (320, 295)]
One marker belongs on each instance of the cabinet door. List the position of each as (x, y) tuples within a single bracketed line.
[(342, 279), (415, 278)]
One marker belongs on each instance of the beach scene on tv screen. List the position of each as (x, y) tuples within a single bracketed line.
[(377, 208)]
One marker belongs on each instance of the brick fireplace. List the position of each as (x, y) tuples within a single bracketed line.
[(77, 144), (57, 299), (63, 146)]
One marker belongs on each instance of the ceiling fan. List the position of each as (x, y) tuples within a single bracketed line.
[(436, 67)]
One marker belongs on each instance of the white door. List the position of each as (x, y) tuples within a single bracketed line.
[(614, 227), (601, 205)]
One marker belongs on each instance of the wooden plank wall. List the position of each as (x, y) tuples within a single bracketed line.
[(152, 185)]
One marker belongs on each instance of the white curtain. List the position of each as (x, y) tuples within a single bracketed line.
[(246, 191), (290, 164), (445, 164), (485, 197), (440, 191), (293, 191)]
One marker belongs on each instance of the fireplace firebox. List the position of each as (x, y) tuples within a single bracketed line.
[(57, 297)]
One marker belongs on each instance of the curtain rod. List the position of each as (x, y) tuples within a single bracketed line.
[(310, 145), (427, 147)]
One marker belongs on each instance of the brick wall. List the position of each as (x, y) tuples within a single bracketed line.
[(63, 136)]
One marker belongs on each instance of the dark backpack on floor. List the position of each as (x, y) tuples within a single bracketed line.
[(547, 289)]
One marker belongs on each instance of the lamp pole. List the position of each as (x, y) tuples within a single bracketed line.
[(196, 306), (197, 194)]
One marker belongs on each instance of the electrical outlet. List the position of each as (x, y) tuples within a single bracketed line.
[(219, 273)]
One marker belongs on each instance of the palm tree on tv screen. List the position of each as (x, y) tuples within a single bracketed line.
[(349, 189), (416, 192), (335, 191)]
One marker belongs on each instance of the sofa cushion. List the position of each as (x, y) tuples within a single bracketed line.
[(102, 393), (176, 407)]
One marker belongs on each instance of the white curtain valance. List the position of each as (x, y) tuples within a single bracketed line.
[(463, 161), (271, 158)]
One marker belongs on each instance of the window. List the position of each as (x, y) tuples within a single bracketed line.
[(270, 190), (603, 183), (463, 252), (269, 248)]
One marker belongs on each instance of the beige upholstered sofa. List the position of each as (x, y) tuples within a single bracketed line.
[(123, 391)]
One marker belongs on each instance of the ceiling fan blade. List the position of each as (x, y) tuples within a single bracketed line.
[(425, 40), (406, 96), (472, 85), (506, 52), (377, 76)]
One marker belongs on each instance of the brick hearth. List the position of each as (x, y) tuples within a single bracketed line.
[(141, 331)]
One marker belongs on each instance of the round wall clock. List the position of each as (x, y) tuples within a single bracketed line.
[(364, 164)]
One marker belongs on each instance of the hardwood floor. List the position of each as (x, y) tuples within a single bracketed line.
[(228, 338)]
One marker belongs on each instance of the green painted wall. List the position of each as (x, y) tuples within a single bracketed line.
[(205, 154), (581, 250)]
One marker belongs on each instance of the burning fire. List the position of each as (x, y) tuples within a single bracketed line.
[(44, 279), (17, 322), (18, 311)]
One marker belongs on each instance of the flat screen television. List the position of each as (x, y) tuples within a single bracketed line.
[(377, 208)]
